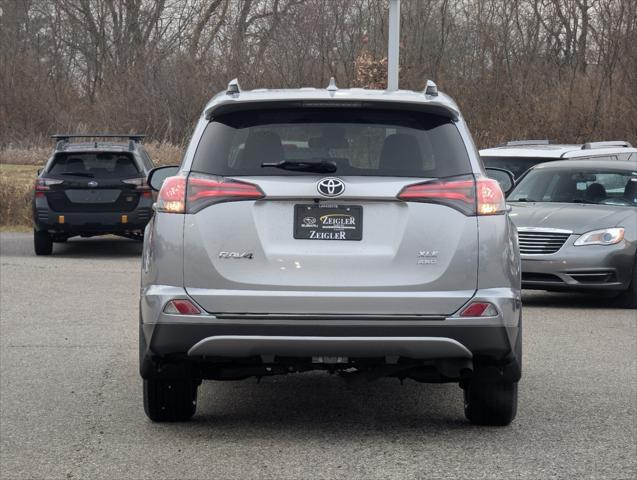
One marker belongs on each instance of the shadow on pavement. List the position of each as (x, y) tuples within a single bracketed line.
[(98, 247), (538, 298), (311, 404), (102, 247)]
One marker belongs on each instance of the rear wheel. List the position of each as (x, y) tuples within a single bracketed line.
[(167, 400), (491, 402), (42, 242)]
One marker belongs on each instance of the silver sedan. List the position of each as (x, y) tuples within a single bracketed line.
[(577, 227)]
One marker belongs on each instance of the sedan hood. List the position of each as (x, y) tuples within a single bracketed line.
[(578, 217)]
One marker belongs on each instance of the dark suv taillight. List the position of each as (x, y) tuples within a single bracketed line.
[(471, 197), (190, 195), (44, 184), (140, 185)]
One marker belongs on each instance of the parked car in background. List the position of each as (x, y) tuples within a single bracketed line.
[(92, 188), (351, 231), (520, 155), (577, 225)]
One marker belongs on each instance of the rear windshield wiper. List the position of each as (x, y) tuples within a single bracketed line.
[(323, 166), (79, 174)]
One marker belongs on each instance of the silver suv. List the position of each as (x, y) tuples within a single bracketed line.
[(351, 231)]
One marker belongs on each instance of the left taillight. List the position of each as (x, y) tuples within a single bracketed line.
[(43, 184), (172, 195), (465, 194), (181, 195)]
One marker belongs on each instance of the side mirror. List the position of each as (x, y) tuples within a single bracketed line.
[(157, 176), (503, 177)]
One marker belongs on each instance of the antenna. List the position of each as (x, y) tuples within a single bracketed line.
[(233, 87), (393, 47), (332, 86), (431, 89)]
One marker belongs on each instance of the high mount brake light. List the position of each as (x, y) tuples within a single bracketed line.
[(469, 196), (178, 195)]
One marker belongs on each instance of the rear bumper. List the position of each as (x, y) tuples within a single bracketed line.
[(360, 336), (92, 222)]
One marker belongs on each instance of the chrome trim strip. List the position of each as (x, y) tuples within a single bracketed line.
[(544, 230), (299, 346)]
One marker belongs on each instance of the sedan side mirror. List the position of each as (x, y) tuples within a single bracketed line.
[(503, 177), (157, 176)]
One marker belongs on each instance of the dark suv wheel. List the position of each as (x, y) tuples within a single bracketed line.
[(167, 400), (42, 243)]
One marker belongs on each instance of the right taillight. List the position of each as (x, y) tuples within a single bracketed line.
[(490, 197), (465, 194), (181, 195), (458, 193)]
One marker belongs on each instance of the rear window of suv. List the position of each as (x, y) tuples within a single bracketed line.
[(358, 141), (94, 165)]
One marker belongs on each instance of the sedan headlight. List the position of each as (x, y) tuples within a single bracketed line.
[(607, 236)]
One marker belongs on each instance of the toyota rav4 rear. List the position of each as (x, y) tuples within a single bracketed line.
[(351, 231)]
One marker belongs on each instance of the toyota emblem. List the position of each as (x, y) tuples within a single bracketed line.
[(93, 184), (331, 187)]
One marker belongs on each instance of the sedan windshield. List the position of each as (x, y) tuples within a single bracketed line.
[(583, 186)]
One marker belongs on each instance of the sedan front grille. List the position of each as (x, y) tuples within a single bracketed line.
[(541, 242)]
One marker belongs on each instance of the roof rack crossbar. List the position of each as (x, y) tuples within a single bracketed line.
[(518, 143), (65, 136), (612, 143)]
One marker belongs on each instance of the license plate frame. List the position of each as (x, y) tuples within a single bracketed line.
[(334, 222)]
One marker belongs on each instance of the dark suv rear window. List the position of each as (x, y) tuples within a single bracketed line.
[(358, 141), (94, 165)]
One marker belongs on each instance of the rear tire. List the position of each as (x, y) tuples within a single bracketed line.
[(42, 242), (491, 402), (167, 400)]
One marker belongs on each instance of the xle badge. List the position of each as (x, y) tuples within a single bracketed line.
[(427, 257)]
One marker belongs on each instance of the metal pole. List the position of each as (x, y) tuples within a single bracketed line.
[(393, 49)]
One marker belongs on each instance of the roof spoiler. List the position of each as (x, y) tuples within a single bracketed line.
[(63, 138), (614, 143), (519, 143)]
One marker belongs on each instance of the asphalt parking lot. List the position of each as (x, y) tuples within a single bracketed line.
[(70, 394)]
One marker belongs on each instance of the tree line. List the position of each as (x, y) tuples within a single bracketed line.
[(559, 69)]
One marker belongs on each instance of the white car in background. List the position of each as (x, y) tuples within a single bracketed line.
[(520, 155)]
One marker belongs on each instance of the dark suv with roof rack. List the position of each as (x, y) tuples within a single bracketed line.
[(93, 188)]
